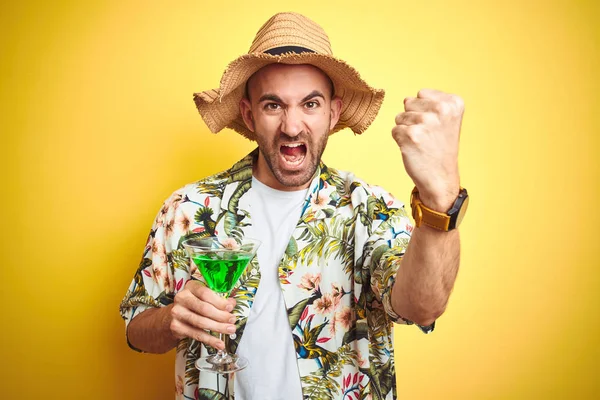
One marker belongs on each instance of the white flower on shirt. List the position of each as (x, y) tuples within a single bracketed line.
[(319, 202)]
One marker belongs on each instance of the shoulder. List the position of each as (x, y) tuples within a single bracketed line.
[(358, 190), (199, 192)]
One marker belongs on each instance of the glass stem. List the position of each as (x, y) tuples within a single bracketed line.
[(222, 355)]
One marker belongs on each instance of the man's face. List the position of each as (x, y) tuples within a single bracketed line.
[(291, 111)]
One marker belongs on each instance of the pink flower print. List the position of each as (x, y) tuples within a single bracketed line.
[(324, 305), (176, 200), (310, 281), (346, 317), (183, 222), (333, 324), (169, 227), (230, 243), (159, 254), (157, 273), (361, 361), (337, 292), (179, 385), (157, 248), (168, 283)]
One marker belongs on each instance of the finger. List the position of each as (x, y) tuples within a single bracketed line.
[(181, 330), (408, 134), (203, 308), (200, 322), (431, 94), (207, 295), (188, 300), (409, 118), (418, 104)]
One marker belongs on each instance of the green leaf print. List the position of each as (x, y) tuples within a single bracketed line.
[(381, 379), (203, 217), (239, 191), (322, 383), (230, 221), (179, 258), (295, 312), (191, 355), (209, 394), (292, 247)]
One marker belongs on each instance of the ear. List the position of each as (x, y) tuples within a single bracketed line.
[(246, 111), (336, 110)]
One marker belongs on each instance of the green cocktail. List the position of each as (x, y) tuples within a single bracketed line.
[(222, 269), (221, 262)]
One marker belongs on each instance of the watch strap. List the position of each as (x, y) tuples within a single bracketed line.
[(425, 215)]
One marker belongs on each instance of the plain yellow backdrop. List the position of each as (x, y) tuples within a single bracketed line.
[(98, 127)]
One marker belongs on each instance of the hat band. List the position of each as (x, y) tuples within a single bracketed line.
[(277, 51)]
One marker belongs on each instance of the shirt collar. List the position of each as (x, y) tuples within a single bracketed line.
[(322, 196)]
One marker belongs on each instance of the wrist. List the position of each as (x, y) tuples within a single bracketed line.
[(446, 217), (440, 201), (165, 322)]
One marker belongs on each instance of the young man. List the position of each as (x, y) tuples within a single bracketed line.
[(313, 311)]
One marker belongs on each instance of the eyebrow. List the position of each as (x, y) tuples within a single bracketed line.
[(270, 97), (277, 99), (312, 95)]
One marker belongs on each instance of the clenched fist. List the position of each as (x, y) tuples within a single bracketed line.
[(428, 135)]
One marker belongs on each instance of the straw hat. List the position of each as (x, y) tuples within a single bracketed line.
[(289, 38)]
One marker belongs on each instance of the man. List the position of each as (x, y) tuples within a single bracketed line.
[(314, 311)]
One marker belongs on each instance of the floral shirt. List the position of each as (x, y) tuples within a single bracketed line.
[(336, 277)]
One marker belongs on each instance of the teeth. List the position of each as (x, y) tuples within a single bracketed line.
[(293, 145)]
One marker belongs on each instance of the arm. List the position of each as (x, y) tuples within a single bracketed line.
[(150, 331), (156, 313), (428, 136), (426, 275), (195, 309)]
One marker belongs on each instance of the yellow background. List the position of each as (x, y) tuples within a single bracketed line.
[(98, 128)]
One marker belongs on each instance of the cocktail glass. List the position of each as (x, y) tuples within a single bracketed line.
[(221, 262)]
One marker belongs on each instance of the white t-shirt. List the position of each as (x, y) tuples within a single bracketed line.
[(272, 373)]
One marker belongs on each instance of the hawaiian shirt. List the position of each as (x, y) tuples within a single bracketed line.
[(336, 277)]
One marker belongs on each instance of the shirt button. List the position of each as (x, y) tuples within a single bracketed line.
[(253, 271), (232, 336)]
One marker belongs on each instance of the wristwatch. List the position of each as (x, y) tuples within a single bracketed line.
[(439, 220)]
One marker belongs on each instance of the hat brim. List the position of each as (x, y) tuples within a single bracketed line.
[(219, 108)]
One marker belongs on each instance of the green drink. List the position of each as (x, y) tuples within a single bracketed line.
[(222, 269), (221, 260)]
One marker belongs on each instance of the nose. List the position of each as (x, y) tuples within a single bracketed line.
[(291, 122)]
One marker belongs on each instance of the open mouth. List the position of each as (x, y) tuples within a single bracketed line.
[(293, 153)]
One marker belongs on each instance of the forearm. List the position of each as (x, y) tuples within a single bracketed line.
[(150, 331), (426, 275)]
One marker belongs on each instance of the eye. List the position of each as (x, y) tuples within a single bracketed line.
[(311, 104), (272, 106)]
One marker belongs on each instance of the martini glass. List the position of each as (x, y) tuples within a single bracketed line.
[(221, 262)]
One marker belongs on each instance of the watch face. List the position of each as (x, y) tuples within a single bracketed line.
[(462, 212), (458, 210)]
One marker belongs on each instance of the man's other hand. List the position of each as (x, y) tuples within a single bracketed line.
[(428, 135)]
